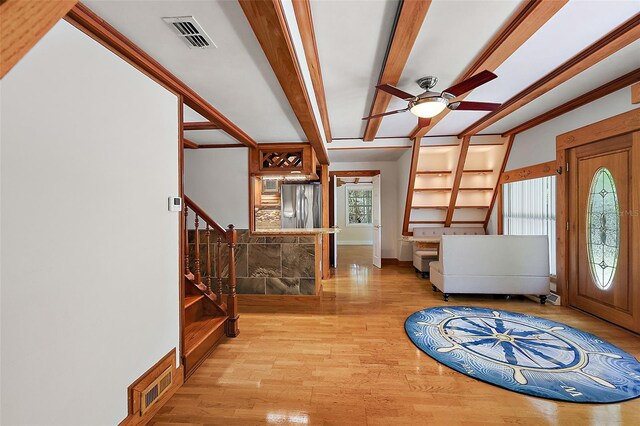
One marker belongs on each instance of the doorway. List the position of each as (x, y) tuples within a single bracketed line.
[(603, 222), (355, 209)]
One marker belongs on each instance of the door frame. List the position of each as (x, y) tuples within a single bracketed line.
[(617, 125), (333, 175)]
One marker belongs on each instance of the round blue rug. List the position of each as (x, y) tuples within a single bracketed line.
[(526, 354)]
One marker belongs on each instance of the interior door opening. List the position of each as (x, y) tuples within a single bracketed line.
[(355, 209)]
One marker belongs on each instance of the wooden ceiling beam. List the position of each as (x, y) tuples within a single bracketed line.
[(201, 125), (604, 90), (95, 27), (189, 144), (302, 9), (268, 22), (405, 32), (464, 149), (524, 22), (23, 23), (615, 40)]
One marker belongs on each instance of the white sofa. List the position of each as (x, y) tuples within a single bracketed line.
[(492, 264), (422, 256)]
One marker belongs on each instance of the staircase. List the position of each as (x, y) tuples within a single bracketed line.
[(210, 309)]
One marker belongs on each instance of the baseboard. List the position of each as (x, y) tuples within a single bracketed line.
[(355, 243), (135, 417)]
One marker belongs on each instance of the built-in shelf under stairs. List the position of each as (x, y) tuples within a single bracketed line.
[(454, 184)]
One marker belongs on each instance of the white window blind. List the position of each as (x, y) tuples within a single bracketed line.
[(529, 208)]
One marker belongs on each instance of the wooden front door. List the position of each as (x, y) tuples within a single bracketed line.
[(604, 247)]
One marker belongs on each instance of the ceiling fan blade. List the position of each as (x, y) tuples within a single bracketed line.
[(423, 122), (474, 106), (395, 92), (386, 113), (470, 83)]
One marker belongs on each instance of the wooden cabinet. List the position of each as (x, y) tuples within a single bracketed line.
[(282, 159)]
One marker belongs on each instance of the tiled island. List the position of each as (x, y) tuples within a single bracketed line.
[(272, 261)]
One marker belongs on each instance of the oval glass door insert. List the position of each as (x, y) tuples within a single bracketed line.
[(603, 228)]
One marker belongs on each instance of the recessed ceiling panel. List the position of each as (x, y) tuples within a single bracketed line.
[(214, 137), (235, 77), (353, 155), (452, 35), (352, 38), (575, 27)]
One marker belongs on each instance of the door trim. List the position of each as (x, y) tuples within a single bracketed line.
[(617, 125), (333, 175)]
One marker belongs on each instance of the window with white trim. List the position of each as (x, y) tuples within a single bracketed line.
[(359, 204), (529, 208)]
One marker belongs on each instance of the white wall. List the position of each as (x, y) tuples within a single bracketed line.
[(89, 268), (350, 234), (538, 144), (217, 180), (388, 191)]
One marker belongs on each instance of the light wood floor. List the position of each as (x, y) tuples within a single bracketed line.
[(348, 361)]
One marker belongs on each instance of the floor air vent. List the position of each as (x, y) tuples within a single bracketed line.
[(188, 29), (155, 390)]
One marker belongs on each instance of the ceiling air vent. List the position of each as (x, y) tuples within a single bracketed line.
[(188, 29)]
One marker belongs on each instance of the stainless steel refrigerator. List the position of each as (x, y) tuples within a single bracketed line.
[(301, 205)]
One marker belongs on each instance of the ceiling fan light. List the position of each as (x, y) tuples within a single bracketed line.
[(428, 107)]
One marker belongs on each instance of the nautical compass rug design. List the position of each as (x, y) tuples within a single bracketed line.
[(526, 354)]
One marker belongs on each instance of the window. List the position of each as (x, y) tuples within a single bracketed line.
[(529, 208), (603, 228), (359, 205)]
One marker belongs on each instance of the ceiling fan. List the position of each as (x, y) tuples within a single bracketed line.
[(429, 104)]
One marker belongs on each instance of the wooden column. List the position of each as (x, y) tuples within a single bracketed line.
[(231, 328), (326, 271), (635, 93)]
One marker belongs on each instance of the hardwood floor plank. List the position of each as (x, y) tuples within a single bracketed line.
[(347, 361)]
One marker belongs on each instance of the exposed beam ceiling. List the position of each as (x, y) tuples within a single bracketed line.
[(270, 27), (302, 9), (528, 19), (23, 23), (201, 125), (620, 37), (604, 90), (90, 23), (407, 26)]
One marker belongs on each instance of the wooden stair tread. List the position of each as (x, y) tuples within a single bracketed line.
[(191, 299), (197, 332)]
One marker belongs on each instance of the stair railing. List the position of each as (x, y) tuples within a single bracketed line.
[(228, 237)]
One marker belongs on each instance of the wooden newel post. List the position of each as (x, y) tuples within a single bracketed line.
[(196, 260), (232, 305), (208, 279), (219, 268), (186, 240)]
